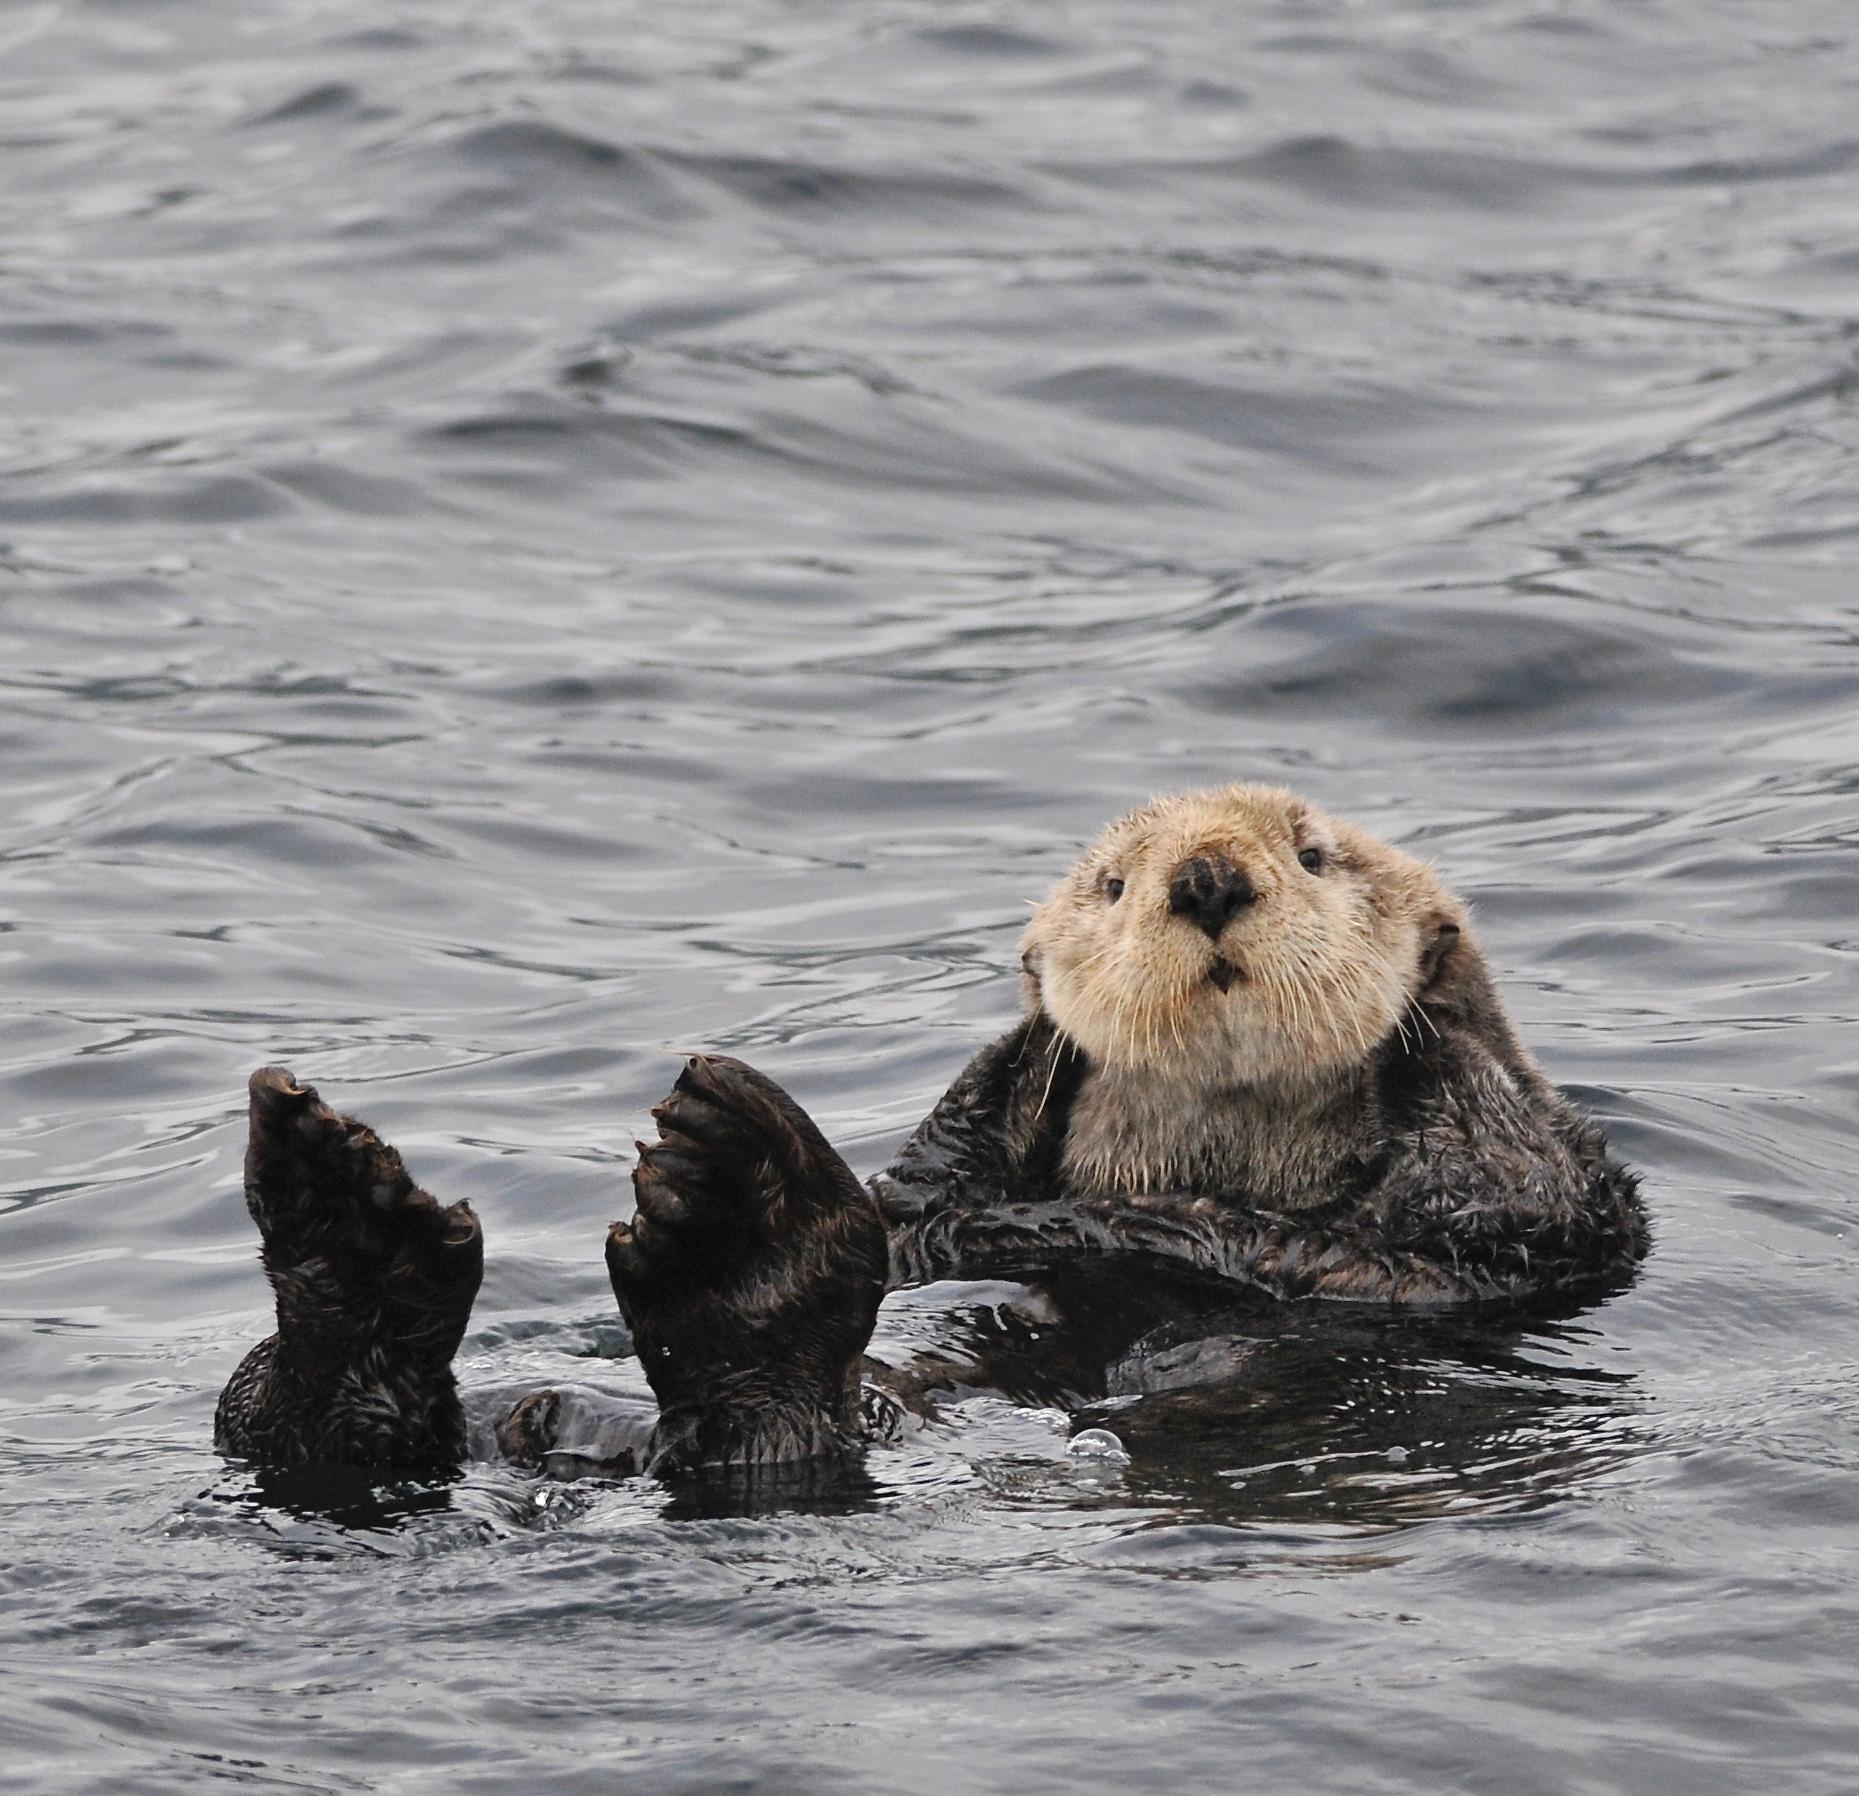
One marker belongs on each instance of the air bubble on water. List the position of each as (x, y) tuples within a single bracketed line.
[(1398, 1455), (1098, 1445)]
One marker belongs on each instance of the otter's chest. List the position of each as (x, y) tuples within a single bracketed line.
[(1273, 1149)]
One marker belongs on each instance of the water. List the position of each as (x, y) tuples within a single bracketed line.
[(536, 537)]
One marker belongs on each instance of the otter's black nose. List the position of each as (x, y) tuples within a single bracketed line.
[(1210, 892)]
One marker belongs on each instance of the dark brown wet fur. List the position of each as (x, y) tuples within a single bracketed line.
[(750, 1275), (374, 1281)]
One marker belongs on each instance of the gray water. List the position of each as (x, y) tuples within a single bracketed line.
[(538, 536)]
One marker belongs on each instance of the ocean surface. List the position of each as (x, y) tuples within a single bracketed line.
[(535, 537)]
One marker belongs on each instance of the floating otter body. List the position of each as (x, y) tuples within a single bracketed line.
[(1258, 1044)]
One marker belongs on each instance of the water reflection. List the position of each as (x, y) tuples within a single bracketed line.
[(1264, 1413), (322, 1511)]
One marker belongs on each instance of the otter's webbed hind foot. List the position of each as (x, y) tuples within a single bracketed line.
[(750, 1275), (374, 1281)]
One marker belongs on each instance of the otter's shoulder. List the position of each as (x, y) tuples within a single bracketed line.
[(1487, 1166)]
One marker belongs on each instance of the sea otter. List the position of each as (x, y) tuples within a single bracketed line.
[(1257, 1043)]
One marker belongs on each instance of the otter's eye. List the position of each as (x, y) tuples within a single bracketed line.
[(1310, 859), (1113, 889)]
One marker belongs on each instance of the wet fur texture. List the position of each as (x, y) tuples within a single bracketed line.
[(1258, 1045), (750, 1275), (374, 1282)]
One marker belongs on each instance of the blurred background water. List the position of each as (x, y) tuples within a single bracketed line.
[(536, 536)]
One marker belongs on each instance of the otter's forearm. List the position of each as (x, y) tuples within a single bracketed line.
[(1288, 1256), (1419, 1242)]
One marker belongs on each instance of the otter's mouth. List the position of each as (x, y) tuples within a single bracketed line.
[(1225, 973)]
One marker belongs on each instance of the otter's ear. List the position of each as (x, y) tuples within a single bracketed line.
[(1439, 941), (1031, 994)]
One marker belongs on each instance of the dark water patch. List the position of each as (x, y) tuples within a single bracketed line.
[(628, 445), (1337, 171), (224, 499), (1338, 430), (598, 368), (567, 691), (989, 43), (541, 157), (1467, 665), (348, 490), (321, 100), (793, 187)]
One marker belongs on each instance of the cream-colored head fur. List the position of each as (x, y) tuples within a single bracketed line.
[(1192, 941)]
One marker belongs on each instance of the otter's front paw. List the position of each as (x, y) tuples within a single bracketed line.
[(750, 1275)]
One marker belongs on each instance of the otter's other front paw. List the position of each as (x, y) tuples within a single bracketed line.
[(750, 1275)]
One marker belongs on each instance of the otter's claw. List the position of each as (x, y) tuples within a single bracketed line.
[(274, 1087)]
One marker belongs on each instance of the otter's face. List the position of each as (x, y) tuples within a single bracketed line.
[(1231, 937)]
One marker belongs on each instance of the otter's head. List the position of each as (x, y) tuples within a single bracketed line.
[(1236, 936)]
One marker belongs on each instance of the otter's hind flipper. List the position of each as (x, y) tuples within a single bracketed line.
[(374, 1281), (750, 1275)]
